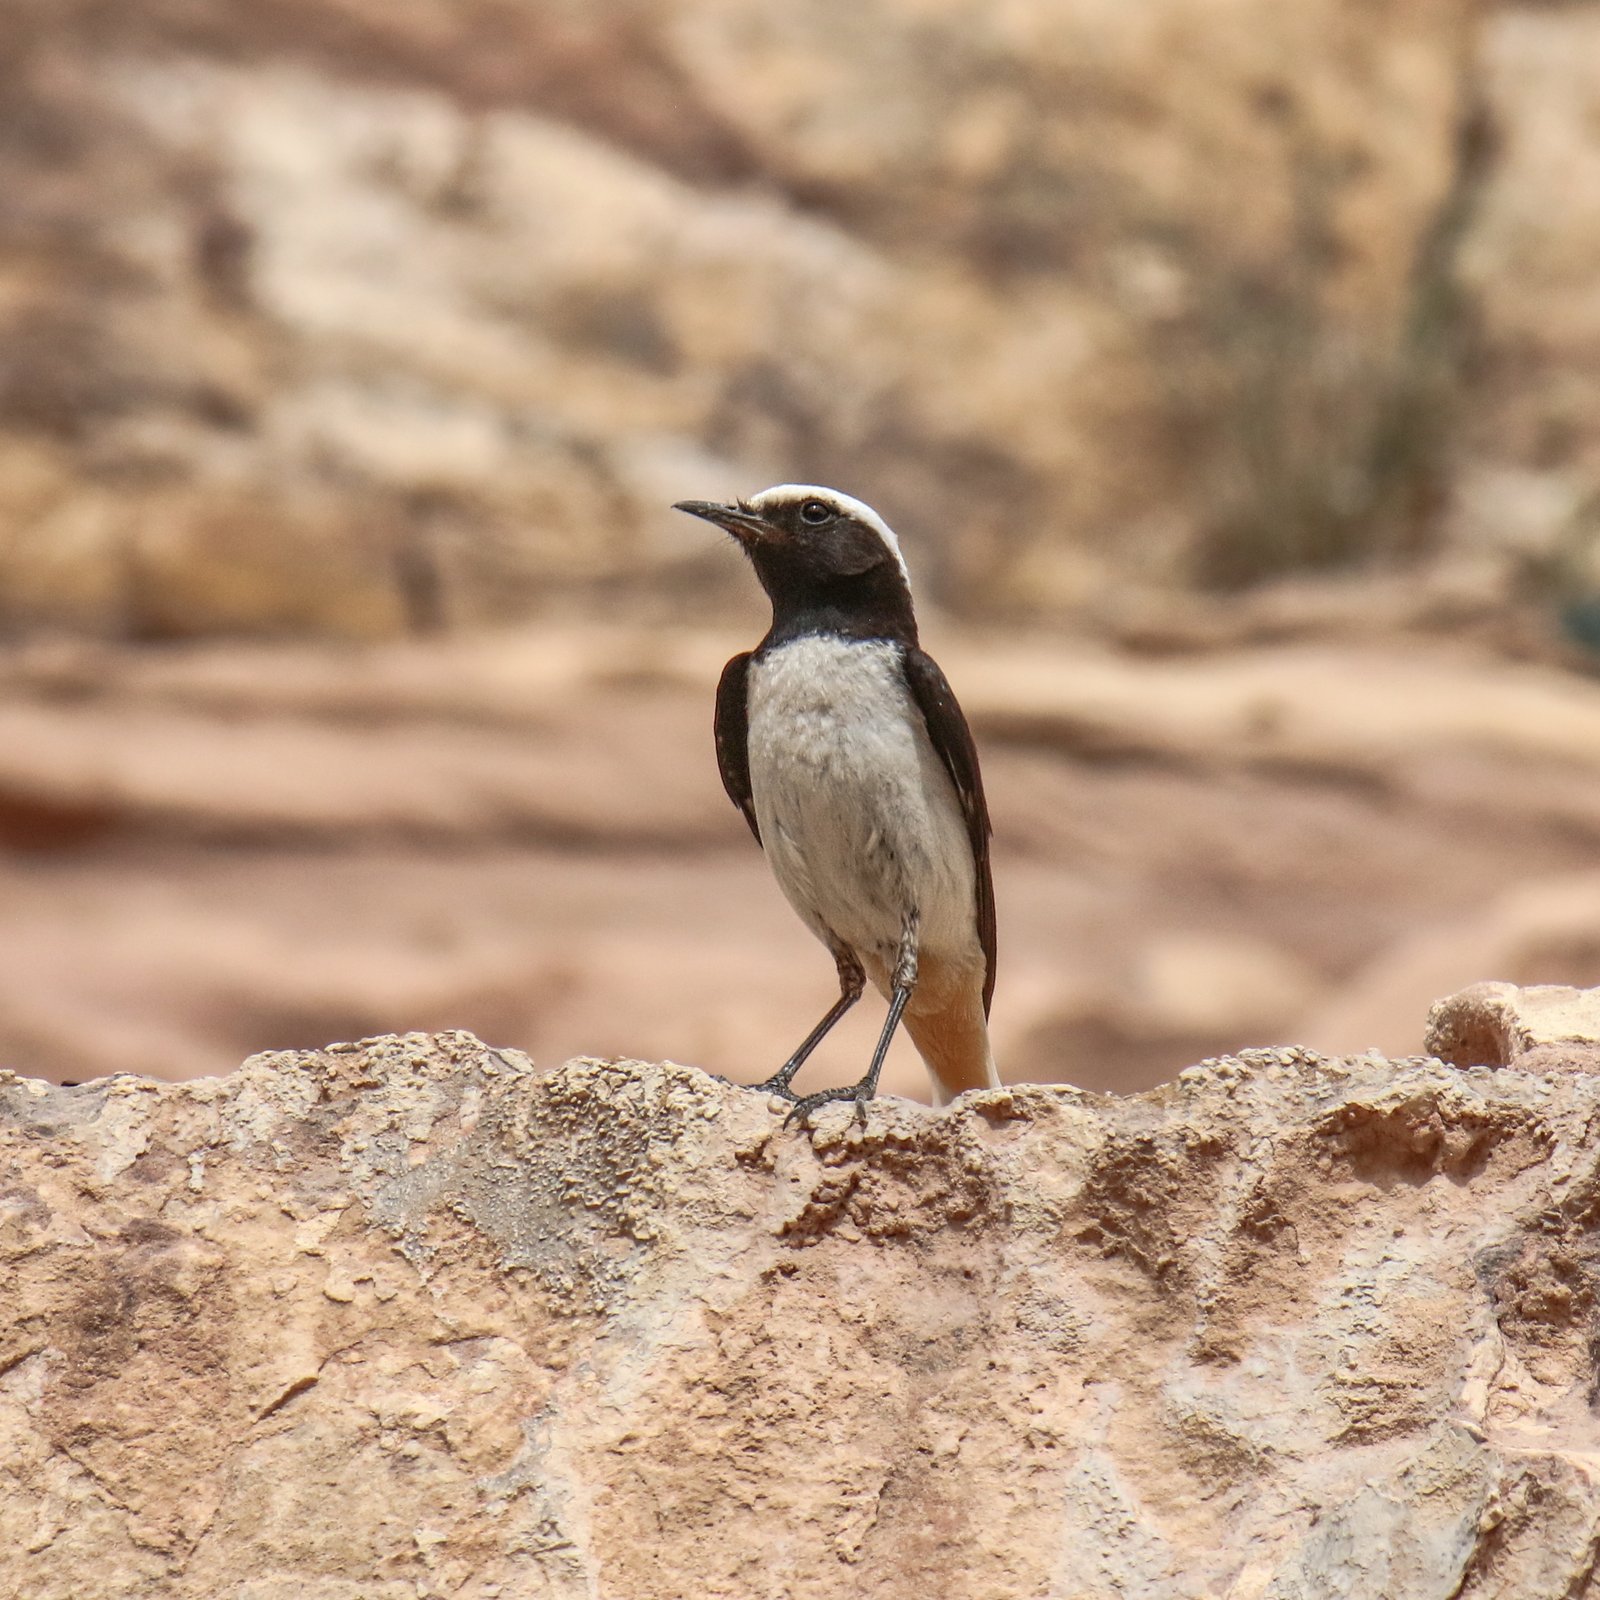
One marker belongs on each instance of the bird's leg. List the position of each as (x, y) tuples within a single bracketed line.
[(905, 980), (851, 981)]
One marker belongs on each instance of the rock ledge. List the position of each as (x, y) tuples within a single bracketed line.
[(404, 1319)]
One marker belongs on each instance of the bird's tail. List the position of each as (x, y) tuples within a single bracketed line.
[(952, 1037)]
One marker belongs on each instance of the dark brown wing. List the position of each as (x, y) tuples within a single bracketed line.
[(952, 738), (733, 737)]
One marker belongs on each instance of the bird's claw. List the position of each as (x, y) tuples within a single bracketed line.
[(861, 1093)]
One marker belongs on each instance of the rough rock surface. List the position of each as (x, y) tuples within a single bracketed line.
[(404, 1319), (356, 317), (1500, 1025)]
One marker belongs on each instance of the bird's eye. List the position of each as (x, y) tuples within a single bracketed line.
[(815, 512)]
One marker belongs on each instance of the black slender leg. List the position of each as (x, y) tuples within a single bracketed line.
[(905, 978), (868, 1087), (851, 982)]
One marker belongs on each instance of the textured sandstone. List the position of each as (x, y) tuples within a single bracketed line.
[(1529, 262), (402, 1319), (358, 317), (1500, 1025)]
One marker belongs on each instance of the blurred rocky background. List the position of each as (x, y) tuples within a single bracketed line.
[(1232, 374)]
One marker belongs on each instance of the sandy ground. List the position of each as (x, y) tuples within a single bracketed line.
[(213, 851)]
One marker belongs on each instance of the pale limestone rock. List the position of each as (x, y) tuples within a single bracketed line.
[(1499, 1025), (403, 1319), (1529, 258), (363, 317)]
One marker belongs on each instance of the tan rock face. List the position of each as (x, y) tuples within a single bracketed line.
[(354, 317), (402, 1319), (1529, 258), (213, 850), (1546, 1028)]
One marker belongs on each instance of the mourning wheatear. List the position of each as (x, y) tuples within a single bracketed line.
[(844, 747)]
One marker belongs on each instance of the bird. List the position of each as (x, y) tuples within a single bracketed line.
[(843, 744)]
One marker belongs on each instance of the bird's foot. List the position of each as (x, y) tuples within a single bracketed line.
[(860, 1093), (777, 1084), (780, 1080)]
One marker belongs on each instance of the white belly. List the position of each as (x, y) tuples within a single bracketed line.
[(858, 817)]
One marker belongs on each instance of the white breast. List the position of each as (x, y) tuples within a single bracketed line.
[(858, 817)]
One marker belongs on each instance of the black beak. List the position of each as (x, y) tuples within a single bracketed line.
[(744, 525)]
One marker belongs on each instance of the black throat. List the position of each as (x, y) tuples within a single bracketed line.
[(875, 604)]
